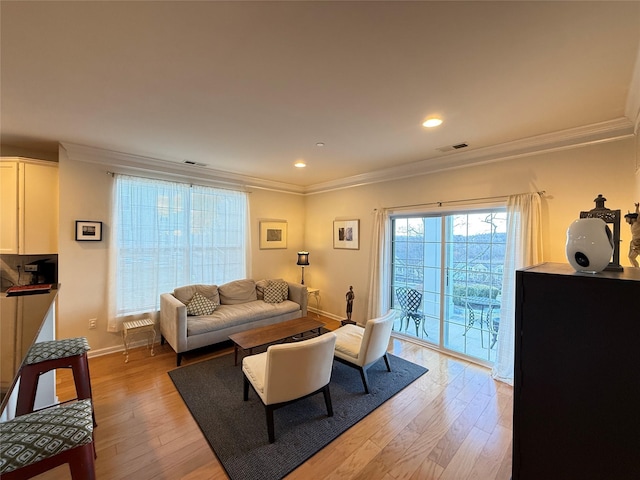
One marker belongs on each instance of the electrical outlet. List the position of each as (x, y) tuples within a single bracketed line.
[(31, 268), (93, 323)]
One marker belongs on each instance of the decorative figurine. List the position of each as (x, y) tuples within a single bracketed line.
[(634, 245), (610, 217), (350, 296)]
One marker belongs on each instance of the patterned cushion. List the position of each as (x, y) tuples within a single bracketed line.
[(272, 294), (35, 436), (262, 284), (284, 288), (200, 305), (55, 349), (276, 292), (184, 294)]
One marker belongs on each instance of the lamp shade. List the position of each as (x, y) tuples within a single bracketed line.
[(303, 258)]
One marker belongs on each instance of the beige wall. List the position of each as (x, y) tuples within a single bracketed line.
[(85, 194), (571, 179), (637, 195), (277, 263)]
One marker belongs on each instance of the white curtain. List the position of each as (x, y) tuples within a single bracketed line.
[(524, 248), (167, 234), (113, 323), (378, 276)]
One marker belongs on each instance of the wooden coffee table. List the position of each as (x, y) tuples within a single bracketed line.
[(257, 337)]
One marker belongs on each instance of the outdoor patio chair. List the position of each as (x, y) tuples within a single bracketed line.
[(410, 300)]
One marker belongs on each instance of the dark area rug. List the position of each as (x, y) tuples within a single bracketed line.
[(237, 430)]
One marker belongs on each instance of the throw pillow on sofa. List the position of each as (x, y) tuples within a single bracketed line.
[(284, 288), (262, 284), (186, 293), (276, 292), (200, 305)]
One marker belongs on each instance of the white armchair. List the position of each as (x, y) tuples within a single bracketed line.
[(289, 372), (362, 347)]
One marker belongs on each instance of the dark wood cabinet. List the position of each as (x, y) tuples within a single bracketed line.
[(576, 412)]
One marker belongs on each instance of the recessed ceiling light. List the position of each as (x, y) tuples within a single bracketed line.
[(320, 144), (300, 164), (432, 122)]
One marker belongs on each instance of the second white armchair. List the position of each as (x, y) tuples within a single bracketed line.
[(362, 347)]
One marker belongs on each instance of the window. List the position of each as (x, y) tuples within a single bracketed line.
[(450, 265), (171, 234)]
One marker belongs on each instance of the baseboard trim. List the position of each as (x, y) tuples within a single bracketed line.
[(118, 348)]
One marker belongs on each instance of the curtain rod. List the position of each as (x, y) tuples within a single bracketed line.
[(191, 184), (439, 204)]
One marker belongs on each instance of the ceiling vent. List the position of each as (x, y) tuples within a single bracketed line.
[(189, 162), (451, 148)]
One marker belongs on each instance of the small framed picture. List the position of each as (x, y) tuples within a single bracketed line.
[(346, 234), (273, 235), (87, 231)]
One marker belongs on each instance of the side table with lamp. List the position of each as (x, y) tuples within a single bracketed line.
[(316, 293), (303, 261)]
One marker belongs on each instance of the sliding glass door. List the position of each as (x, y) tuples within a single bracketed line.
[(446, 279)]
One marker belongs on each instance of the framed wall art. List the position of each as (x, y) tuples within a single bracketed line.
[(346, 234), (273, 235), (88, 231)]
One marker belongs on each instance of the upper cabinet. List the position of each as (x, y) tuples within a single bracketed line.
[(28, 206)]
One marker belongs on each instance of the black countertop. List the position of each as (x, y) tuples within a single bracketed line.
[(628, 273), (22, 319)]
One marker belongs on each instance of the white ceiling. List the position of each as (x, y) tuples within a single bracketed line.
[(251, 87)]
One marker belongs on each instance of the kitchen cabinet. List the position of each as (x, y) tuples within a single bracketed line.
[(28, 206), (576, 388)]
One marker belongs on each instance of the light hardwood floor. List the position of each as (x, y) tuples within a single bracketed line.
[(452, 423)]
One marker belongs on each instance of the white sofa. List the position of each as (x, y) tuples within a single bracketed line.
[(239, 305)]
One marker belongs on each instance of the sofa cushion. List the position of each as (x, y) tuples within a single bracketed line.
[(284, 288), (227, 316), (276, 292), (185, 294), (200, 305), (238, 291), (262, 284), (273, 293)]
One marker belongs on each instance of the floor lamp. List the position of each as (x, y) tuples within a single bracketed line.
[(303, 260)]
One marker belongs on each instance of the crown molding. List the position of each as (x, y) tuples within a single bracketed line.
[(572, 138), (121, 162), (632, 109), (126, 163)]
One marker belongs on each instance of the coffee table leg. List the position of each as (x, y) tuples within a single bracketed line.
[(235, 355)]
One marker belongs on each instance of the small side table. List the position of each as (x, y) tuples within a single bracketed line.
[(316, 293), (135, 327)]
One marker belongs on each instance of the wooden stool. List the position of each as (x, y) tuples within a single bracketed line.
[(36, 442), (46, 356)]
